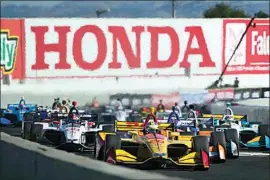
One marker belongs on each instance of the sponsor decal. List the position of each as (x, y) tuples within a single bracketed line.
[(252, 56), (256, 93), (221, 94), (237, 96), (246, 94), (86, 48), (266, 94), (8, 51), (12, 54)]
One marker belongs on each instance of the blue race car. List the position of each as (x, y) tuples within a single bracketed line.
[(14, 113)]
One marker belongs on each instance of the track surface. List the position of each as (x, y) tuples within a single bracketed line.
[(250, 166)]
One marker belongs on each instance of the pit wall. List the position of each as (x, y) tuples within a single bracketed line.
[(131, 54), (21, 159)]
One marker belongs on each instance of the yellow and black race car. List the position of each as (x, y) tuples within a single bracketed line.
[(133, 144)]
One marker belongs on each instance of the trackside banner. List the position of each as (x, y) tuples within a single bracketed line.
[(252, 56), (63, 48), (12, 48), (83, 48)]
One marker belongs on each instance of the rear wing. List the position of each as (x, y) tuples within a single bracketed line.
[(220, 116), (29, 107), (138, 126), (89, 117), (59, 116), (84, 117)]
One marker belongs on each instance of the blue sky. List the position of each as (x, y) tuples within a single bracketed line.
[(131, 9)]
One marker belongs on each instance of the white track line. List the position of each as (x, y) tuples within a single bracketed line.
[(248, 154)]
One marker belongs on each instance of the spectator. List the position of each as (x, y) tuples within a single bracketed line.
[(22, 101), (160, 107), (178, 109), (236, 83), (120, 115), (69, 105), (56, 104), (185, 108), (95, 103), (118, 104), (74, 109), (64, 108), (192, 113)]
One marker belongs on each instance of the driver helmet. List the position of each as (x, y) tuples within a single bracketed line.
[(22, 97), (152, 110), (74, 103), (151, 126), (173, 108), (229, 104)]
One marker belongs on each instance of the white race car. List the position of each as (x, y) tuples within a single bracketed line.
[(76, 133)]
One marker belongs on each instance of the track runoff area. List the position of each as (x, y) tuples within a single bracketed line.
[(251, 165)]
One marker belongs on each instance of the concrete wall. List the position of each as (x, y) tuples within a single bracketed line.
[(20, 159)]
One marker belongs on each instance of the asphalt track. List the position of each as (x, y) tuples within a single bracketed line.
[(249, 166)]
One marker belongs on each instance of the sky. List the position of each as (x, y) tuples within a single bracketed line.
[(131, 9)]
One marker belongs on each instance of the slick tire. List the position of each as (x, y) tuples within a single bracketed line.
[(108, 128), (232, 135), (36, 130), (263, 130), (111, 141), (200, 143), (12, 117), (27, 130), (218, 138)]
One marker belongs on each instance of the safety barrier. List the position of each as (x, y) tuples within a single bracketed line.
[(20, 159)]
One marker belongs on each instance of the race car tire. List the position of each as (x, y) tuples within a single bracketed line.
[(108, 128), (27, 130), (12, 117), (36, 130), (218, 138), (232, 135), (263, 130), (111, 141), (200, 143)]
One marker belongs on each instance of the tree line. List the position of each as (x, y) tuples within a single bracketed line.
[(223, 10)]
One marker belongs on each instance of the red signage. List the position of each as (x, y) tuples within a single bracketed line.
[(252, 56), (119, 35), (12, 48)]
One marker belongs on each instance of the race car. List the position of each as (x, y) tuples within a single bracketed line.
[(132, 144), (14, 113), (223, 145), (251, 134), (74, 133)]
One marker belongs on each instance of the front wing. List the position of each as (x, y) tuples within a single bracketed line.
[(257, 142), (193, 160)]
